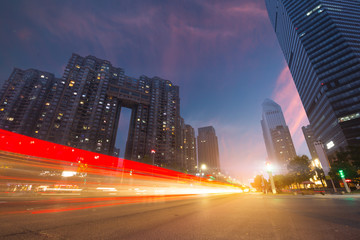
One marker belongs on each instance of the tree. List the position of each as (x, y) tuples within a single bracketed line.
[(259, 183), (354, 153), (282, 181), (348, 161), (349, 170), (299, 168), (321, 175)]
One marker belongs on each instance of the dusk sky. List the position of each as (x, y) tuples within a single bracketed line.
[(223, 55)]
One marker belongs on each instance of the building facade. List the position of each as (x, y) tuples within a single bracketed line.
[(277, 138), (320, 40), (190, 158), (208, 149), (24, 98), (82, 109), (310, 140)]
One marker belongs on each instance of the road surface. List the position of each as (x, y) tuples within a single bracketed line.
[(233, 216)]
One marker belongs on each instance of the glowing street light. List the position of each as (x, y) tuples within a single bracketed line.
[(203, 167), (153, 156), (269, 169)]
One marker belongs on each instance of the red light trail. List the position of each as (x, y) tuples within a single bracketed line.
[(35, 168)]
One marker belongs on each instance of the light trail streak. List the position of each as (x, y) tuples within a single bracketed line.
[(32, 167)]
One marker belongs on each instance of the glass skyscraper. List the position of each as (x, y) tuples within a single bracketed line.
[(278, 141), (320, 40)]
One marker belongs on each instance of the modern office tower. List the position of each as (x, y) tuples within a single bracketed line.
[(24, 98), (83, 110), (190, 160), (278, 141), (320, 40), (208, 148), (310, 140)]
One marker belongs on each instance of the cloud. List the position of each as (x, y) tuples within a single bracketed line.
[(180, 36), (286, 95)]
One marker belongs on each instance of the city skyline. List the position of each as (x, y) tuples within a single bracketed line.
[(197, 49)]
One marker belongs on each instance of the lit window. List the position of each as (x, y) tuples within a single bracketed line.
[(310, 12), (349, 117), (330, 145)]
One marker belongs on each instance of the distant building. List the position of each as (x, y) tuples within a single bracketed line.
[(310, 140), (208, 148), (320, 41), (190, 149), (278, 141), (82, 109)]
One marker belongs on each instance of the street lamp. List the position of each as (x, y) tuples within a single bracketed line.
[(269, 169), (153, 155), (202, 168)]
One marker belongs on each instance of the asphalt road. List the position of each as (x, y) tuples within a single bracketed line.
[(235, 216)]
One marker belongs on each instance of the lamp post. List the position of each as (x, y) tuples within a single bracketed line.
[(202, 168), (153, 156), (342, 175), (269, 169)]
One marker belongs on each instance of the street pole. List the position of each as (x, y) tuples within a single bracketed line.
[(341, 172), (203, 168), (153, 156), (273, 189), (346, 186), (269, 170)]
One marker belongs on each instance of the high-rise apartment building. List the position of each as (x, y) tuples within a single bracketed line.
[(24, 98), (310, 140), (320, 40), (82, 109), (208, 148), (278, 141)]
